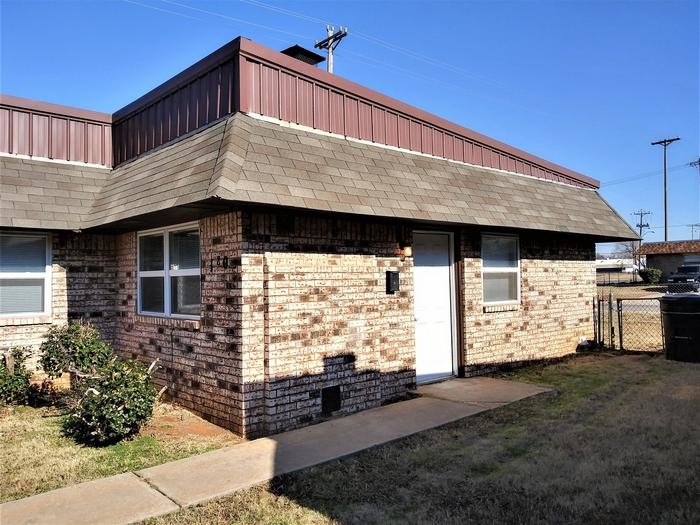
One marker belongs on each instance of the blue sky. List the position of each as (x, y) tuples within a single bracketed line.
[(587, 84)]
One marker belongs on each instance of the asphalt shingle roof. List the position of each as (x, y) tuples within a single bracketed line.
[(45, 194), (669, 247), (249, 160)]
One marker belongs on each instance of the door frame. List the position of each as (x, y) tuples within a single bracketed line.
[(454, 331)]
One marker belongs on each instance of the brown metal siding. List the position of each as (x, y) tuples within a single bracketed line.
[(337, 113), (288, 97), (26, 129), (392, 129), (31, 128), (20, 132), (307, 100), (188, 107), (321, 109)]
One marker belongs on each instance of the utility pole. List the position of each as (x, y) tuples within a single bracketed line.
[(665, 143), (640, 222), (331, 41), (641, 225), (695, 164), (693, 227)]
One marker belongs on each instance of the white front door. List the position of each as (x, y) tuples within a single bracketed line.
[(433, 305)]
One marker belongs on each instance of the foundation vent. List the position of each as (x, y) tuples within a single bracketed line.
[(330, 400)]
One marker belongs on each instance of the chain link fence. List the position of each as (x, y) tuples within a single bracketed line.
[(628, 317), (639, 324)]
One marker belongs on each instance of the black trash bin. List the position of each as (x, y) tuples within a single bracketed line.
[(680, 314)]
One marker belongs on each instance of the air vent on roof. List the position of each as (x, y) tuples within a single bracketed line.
[(300, 53)]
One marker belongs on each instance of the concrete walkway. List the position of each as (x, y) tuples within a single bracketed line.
[(132, 497)]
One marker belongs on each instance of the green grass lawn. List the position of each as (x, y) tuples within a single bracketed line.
[(617, 441), (35, 456)]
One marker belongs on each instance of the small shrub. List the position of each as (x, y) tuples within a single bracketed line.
[(114, 406), (74, 347), (651, 275), (14, 377)]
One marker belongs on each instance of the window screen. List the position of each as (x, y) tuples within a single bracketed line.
[(501, 269), (169, 272)]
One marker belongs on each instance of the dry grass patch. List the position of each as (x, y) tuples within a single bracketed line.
[(615, 442), (35, 456), (641, 331), (636, 291)]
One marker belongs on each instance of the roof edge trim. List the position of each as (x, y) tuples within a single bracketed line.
[(197, 69), (39, 106)]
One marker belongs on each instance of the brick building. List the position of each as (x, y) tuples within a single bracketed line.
[(670, 255), (288, 243)]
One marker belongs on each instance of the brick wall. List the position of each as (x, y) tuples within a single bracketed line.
[(82, 287), (295, 303), (200, 361), (299, 305), (557, 289), (317, 315), (667, 263)]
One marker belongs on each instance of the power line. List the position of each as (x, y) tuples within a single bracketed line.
[(646, 175), (377, 41), (693, 227), (378, 63), (659, 226), (695, 164), (183, 15), (234, 19), (288, 12), (231, 19)]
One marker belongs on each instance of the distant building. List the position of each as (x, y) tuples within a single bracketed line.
[(615, 265), (668, 256)]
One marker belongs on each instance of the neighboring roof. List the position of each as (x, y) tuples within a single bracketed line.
[(47, 194), (669, 247), (247, 160)]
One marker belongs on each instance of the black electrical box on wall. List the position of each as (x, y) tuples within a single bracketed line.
[(392, 281)]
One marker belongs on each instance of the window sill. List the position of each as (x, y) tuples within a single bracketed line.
[(20, 320), (177, 322), (493, 308)]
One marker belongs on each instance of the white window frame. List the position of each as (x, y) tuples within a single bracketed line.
[(500, 269), (166, 273), (46, 275)]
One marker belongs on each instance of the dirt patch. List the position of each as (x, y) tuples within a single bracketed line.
[(176, 422)]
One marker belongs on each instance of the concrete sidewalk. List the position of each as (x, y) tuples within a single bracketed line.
[(132, 497)]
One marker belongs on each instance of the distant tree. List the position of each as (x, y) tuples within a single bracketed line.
[(625, 250)]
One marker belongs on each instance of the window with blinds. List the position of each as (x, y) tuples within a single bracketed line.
[(25, 275), (169, 272)]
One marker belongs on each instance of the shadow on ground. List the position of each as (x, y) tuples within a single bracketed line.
[(612, 443)]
